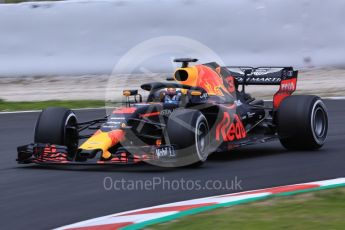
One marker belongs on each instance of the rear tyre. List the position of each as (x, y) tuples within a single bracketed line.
[(58, 126), (188, 130), (302, 122)]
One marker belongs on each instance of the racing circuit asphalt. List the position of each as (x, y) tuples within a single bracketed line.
[(33, 197)]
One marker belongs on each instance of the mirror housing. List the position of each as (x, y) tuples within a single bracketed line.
[(195, 93), (130, 92)]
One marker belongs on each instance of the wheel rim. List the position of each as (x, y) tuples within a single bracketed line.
[(71, 135), (319, 122), (202, 140), (201, 137)]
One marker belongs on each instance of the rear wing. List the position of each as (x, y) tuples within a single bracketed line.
[(285, 77), (266, 75)]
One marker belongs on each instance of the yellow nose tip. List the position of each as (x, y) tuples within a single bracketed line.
[(106, 155)]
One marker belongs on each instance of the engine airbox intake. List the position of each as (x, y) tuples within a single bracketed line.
[(181, 75), (187, 76)]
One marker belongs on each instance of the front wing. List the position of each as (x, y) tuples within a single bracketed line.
[(47, 154)]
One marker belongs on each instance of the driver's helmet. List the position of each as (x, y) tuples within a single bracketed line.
[(172, 96), (171, 91)]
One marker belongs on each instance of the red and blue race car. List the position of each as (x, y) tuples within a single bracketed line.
[(202, 109)]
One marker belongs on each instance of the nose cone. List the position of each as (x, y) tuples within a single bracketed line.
[(103, 140)]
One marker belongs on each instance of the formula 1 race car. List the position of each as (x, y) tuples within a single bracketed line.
[(202, 109)]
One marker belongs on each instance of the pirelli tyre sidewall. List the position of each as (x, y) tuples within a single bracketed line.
[(302, 122), (188, 131), (55, 126)]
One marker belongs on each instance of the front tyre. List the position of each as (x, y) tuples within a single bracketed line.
[(188, 130), (302, 122), (58, 126)]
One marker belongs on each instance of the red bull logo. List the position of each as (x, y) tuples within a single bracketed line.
[(230, 129)]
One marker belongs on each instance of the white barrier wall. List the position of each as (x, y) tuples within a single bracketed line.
[(78, 37)]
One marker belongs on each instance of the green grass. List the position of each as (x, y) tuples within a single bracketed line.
[(38, 105), (317, 210)]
